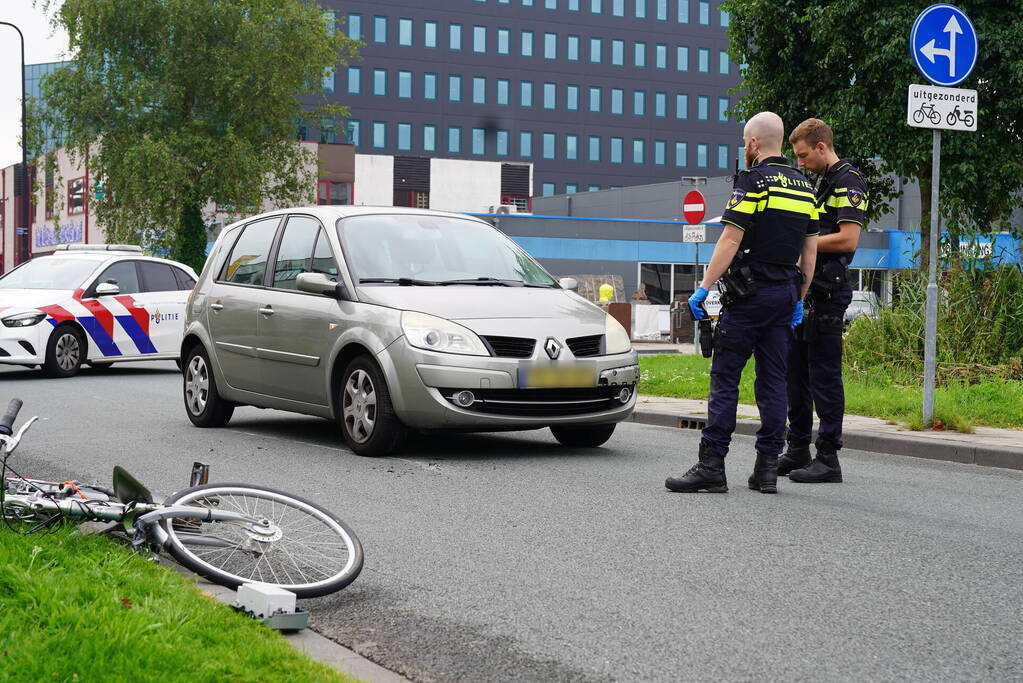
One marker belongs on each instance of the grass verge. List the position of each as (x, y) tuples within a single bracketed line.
[(887, 393), (81, 608)]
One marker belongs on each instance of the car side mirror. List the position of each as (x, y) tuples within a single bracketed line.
[(107, 289), (569, 283), (318, 283)]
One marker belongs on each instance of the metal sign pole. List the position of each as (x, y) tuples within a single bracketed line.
[(696, 285), (931, 325)]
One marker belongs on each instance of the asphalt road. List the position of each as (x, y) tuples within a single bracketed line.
[(509, 557)]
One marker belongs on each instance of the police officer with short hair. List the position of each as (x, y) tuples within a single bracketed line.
[(768, 239), (815, 363)]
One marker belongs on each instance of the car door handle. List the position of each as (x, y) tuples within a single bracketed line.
[(216, 306), (266, 310)]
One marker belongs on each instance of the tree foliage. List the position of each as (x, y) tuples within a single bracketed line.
[(849, 64), (191, 101)]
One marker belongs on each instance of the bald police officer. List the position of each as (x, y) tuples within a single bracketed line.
[(815, 363), (763, 259)]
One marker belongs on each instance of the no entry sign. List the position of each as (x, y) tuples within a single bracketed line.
[(694, 207)]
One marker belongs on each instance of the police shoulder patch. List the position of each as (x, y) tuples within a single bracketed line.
[(855, 196), (737, 196)]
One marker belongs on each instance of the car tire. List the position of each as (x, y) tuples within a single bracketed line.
[(369, 424), (583, 436), (203, 403), (65, 352)]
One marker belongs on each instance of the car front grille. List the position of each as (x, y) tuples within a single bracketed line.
[(510, 347), (586, 346), (540, 402)]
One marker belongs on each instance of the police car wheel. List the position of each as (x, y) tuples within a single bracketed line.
[(203, 403), (65, 352), (583, 436)]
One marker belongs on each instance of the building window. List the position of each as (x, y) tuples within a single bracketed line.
[(594, 99), (703, 60), (573, 5), (682, 58), (723, 109), (617, 101), (571, 188), (527, 43), (639, 54), (701, 155), (550, 91), (572, 48), (430, 86), (724, 67), (526, 94), (379, 29), (454, 88), (355, 26), (724, 17), (454, 139), (354, 80), (596, 6), (548, 146), (572, 147), (740, 155), (379, 134), (479, 90), (683, 11), (593, 188), (681, 154), (618, 8), (327, 134), (638, 149), (501, 140), (662, 10), (702, 107), (660, 148), (429, 138), (618, 52), (704, 13), (723, 156), (430, 33), (681, 106), (572, 97), (380, 81), (353, 132), (479, 141), (594, 148), (639, 102), (75, 196), (479, 39), (641, 9), (404, 136), (405, 84), (550, 4), (616, 150), (595, 47), (333, 193), (502, 92), (525, 144), (328, 80), (503, 41), (547, 189), (455, 36), (550, 45), (527, 3), (405, 32), (661, 56)]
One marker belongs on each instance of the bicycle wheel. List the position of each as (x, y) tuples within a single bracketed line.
[(305, 549)]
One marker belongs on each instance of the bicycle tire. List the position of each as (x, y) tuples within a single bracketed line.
[(339, 547)]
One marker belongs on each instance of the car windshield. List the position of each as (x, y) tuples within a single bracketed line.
[(409, 249), (49, 272)]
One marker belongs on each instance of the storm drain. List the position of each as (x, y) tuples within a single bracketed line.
[(691, 423)]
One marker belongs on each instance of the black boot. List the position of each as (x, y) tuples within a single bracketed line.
[(706, 475), (765, 474), (795, 457), (822, 469)]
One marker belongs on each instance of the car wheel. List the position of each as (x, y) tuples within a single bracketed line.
[(583, 436), (65, 352), (368, 421), (203, 403)]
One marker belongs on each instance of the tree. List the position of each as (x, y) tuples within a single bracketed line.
[(848, 63), (177, 103)]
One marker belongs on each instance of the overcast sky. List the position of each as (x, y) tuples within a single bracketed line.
[(41, 45)]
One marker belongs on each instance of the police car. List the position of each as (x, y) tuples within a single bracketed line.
[(94, 304)]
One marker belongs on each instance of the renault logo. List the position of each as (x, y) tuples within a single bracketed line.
[(552, 347)]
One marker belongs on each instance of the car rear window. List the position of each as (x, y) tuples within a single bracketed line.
[(158, 277), (247, 263)]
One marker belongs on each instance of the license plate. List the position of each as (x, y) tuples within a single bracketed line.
[(545, 378)]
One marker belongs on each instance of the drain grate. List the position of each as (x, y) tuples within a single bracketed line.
[(691, 423)]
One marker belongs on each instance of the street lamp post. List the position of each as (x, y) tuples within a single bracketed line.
[(25, 188)]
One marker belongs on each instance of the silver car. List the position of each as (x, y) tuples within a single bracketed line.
[(395, 319)]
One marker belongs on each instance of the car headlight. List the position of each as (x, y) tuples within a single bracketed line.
[(24, 319), (437, 334), (616, 339)]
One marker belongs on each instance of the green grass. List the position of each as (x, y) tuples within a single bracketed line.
[(82, 608), (886, 393)]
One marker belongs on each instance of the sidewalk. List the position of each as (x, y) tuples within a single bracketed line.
[(989, 446)]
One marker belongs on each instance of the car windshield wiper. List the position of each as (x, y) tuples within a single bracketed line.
[(492, 281), (400, 281)]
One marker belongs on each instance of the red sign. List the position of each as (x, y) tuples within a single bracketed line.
[(694, 206)]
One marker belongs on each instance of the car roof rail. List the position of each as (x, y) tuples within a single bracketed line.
[(134, 248)]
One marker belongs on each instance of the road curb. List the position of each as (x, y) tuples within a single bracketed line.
[(892, 444)]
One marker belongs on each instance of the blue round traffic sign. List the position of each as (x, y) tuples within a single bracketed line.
[(944, 45)]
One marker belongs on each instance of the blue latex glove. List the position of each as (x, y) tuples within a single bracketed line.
[(797, 315), (698, 297)]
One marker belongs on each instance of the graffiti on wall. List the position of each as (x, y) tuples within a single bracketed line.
[(48, 236)]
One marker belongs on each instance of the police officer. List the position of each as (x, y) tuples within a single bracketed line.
[(815, 362), (769, 237)]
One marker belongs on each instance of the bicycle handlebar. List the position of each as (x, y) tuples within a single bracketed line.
[(7, 421)]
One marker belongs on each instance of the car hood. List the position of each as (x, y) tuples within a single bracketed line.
[(22, 299), (473, 302)]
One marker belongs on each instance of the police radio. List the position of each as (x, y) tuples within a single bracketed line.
[(705, 331)]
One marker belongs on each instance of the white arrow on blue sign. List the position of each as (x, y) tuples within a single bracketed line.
[(944, 45)]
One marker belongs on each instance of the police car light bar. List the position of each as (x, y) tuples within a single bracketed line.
[(99, 247)]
